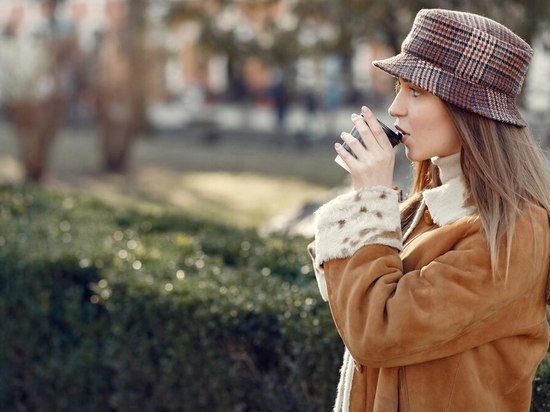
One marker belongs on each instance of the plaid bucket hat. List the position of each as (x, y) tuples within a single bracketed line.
[(468, 60)]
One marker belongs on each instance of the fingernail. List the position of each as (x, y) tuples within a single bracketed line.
[(354, 115), (337, 145)]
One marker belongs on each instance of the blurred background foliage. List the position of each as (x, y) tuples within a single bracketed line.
[(105, 309), (349, 20)]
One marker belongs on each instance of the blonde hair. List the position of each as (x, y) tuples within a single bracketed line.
[(503, 167)]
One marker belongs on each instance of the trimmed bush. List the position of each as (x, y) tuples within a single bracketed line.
[(105, 309)]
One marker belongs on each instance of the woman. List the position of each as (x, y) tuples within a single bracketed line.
[(442, 305)]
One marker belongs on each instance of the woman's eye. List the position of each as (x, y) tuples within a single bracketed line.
[(414, 91)]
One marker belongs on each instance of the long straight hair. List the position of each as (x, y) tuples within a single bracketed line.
[(503, 167)]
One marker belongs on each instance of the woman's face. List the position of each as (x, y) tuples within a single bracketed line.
[(426, 126)]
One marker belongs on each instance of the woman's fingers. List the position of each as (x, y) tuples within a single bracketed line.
[(376, 130), (364, 131), (354, 144), (371, 132), (372, 161), (346, 156)]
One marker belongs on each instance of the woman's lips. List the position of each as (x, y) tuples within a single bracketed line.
[(403, 133), (400, 130)]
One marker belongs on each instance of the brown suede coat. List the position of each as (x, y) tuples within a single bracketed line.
[(427, 326)]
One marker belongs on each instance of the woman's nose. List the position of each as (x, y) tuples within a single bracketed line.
[(397, 108)]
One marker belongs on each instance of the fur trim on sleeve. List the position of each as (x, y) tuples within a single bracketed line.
[(319, 273), (353, 220)]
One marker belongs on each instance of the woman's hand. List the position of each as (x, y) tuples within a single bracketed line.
[(375, 161)]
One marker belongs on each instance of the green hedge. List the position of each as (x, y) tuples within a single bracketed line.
[(105, 309)]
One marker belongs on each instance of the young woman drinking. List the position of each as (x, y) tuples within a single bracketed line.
[(441, 300)]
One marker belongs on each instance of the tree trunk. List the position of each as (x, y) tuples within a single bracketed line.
[(121, 88)]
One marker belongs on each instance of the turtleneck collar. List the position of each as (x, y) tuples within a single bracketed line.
[(449, 167), (450, 201)]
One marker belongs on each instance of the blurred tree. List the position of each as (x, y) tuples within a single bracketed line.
[(390, 20), (120, 81), (243, 28), (37, 78)]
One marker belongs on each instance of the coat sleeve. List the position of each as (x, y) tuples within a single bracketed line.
[(351, 221), (388, 317)]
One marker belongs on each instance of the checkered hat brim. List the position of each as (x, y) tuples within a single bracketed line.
[(464, 59)]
